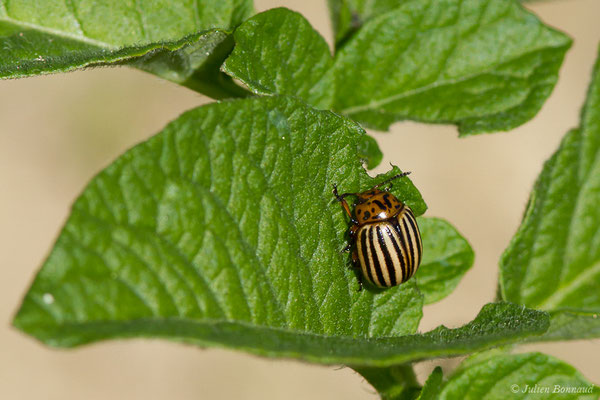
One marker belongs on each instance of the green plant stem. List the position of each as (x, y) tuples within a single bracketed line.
[(392, 383), (219, 87), (210, 81)]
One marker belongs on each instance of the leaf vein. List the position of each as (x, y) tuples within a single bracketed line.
[(71, 7), (76, 241), (59, 33)]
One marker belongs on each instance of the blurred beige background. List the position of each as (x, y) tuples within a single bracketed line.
[(57, 131)]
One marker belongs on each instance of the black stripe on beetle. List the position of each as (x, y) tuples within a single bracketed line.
[(399, 253), (362, 254), (408, 239), (388, 259), (413, 222), (374, 249), (387, 242)]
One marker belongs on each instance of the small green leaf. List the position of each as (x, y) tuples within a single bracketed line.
[(347, 16), (553, 262), (172, 39), (482, 65), (279, 52), (433, 385), (524, 376), (447, 256), (369, 151), (343, 21)]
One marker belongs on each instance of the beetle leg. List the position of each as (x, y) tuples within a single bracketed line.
[(360, 283), (356, 267), (354, 262), (354, 221), (340, 198), (359, 274), (352, 231)]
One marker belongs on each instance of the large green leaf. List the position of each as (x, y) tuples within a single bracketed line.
[(482, 65), (278, 51), (553, 262), (228, 216), (347, 16), (222, 230), (523, 376), (174, 39), (447, 256)]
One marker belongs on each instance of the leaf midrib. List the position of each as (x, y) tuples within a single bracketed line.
[(583, 176), (565, 290), (375, 351), (435, 84), (491, 71)]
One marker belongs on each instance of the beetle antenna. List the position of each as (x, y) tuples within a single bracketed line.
[(340, 197), (391, 179)]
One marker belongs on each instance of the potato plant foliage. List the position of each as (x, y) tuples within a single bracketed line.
[(220, 230)]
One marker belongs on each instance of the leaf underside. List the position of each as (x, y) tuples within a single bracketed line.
[(179, 41), (497, 324)]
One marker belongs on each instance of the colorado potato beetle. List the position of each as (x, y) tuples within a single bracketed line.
[(384, 236)]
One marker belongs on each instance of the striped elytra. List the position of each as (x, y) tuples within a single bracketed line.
[(389, 252), (384, 235)]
